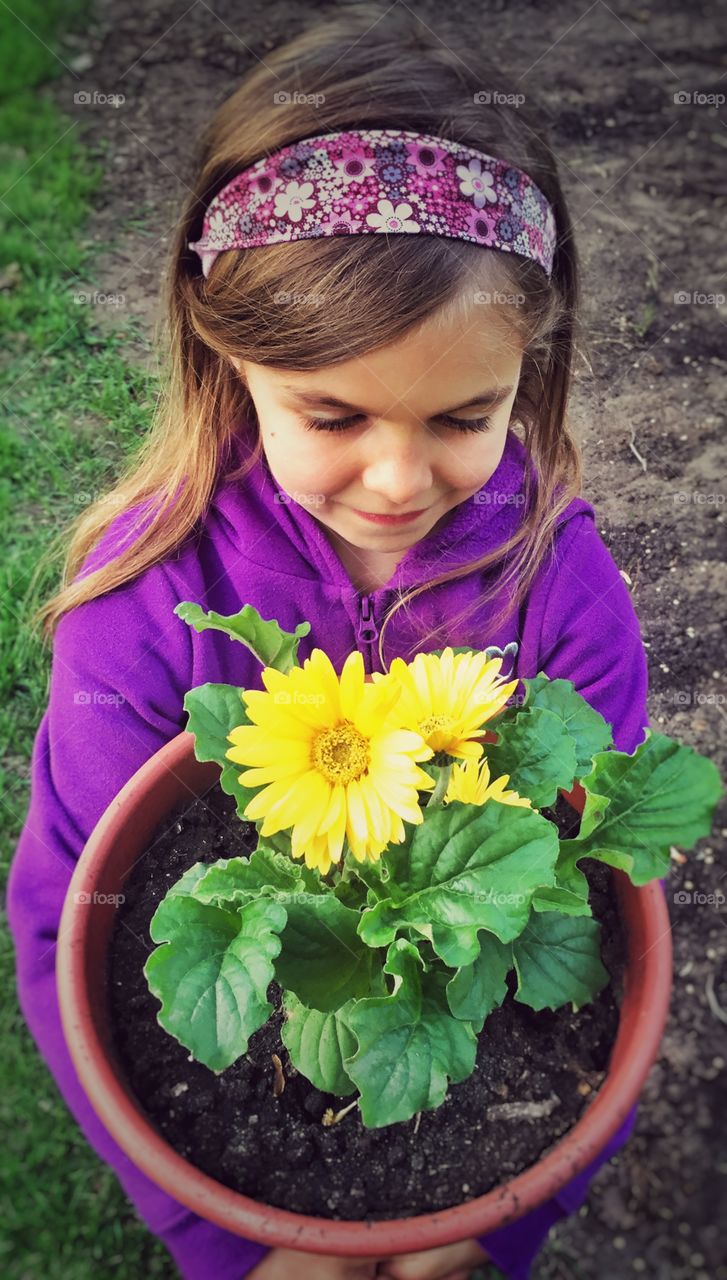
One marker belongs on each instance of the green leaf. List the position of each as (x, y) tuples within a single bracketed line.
[(409, 1043), (375, 875), (478, 988), (323, 960), (272, 646), (318, 1043), (594, 810), (558, 959), (214, 710), (464, 868), (589, 730), (664, 794), (187, 883), (212, 973), (537, 751), (234, 881), (166, 914), (567, 901), (352, 892)]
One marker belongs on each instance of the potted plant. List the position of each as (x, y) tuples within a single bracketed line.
[(406, 881)]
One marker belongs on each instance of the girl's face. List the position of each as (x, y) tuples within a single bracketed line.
[(417, 426)]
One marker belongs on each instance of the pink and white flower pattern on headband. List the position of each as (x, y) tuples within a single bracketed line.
[(385, 181), (388, 218), (294, 200), (477, 182)]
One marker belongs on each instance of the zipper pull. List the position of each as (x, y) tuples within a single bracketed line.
[(367, 631)]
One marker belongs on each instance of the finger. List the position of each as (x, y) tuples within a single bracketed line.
[(451, 1275), (434, 1264)]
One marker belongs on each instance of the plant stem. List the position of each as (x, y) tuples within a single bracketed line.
[(440, 790), (343, 869)]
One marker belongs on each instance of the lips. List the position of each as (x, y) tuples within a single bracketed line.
[(406, 518)]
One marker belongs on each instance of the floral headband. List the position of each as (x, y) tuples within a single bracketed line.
[(381, 180)]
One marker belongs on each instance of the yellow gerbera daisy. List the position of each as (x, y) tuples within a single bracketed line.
[(448, 698), (335, 759), (470, 783)]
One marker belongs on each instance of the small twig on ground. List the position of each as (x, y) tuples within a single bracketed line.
[(712, 1000), (634, 450), (417, 1123), (523, 1110), (330, 1117)]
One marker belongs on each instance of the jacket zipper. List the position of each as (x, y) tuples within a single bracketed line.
[(367, 631)]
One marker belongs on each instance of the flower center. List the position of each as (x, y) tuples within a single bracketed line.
[(435, 724), (341, 753)]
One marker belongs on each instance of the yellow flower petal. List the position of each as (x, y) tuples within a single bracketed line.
[(332, 758), (449, 697)]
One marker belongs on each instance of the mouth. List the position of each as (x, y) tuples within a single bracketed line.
[(407, 518)]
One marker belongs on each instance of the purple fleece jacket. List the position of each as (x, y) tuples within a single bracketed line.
[(123, 662)]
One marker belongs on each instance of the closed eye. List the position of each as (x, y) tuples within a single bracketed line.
[(340, 424)]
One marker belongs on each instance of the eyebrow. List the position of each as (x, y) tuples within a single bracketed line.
[(491, 397)]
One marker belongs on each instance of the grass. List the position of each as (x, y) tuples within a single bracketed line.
[(71, 411)]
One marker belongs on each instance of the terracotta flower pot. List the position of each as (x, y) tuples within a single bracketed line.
[(121, 836)]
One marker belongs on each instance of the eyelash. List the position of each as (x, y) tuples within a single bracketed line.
[(339, 424)]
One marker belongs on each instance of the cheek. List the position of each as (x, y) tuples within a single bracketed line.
[(307, 462), (471, 461)]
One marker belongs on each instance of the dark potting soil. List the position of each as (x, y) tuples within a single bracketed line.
[(534, 1075)]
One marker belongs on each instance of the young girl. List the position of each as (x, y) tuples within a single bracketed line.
[(371, 311)]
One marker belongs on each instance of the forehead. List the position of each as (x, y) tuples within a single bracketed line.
[(447, 358)]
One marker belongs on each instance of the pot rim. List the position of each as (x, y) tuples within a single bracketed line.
[(83, 937)]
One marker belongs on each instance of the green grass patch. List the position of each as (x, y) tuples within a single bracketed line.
[(71, 410)]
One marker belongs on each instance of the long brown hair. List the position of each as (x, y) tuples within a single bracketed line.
[(363, 68)]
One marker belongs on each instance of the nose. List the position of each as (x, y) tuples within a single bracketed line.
[(399, 471)]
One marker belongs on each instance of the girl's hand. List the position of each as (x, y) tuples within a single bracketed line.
[(291, 1264), (453, 1262)]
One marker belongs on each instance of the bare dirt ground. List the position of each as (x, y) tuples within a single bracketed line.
[(644, 174)]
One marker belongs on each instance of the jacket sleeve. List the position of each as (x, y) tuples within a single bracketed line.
[(117, 686), (590, 633)]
